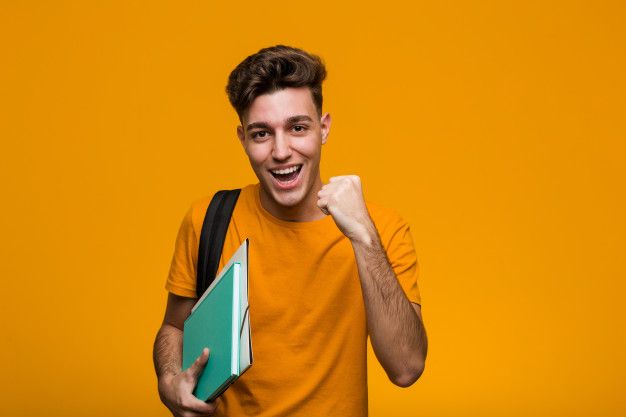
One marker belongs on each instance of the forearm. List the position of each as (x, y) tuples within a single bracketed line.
[(396, 331), (167, 353)]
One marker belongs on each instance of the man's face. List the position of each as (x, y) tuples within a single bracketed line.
[(283, 135)]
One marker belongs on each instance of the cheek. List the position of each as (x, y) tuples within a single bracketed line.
[(258, 153), (309, 146)]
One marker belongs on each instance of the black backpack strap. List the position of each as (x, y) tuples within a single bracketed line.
[(212, 238)]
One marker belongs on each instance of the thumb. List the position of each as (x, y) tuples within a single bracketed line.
[(198, 365)]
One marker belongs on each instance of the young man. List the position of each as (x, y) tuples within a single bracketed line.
[(326, 269)]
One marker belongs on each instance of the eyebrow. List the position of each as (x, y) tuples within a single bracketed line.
[(299, 118), (290, 120), (258, 125)]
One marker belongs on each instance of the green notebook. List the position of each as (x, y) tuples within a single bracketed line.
[(220, 321)]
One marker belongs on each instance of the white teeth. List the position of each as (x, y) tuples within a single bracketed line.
[(286, 171)]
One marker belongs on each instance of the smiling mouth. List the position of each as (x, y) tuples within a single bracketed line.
[(287, 175)]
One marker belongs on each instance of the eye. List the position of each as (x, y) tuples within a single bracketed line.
[(260, 134), (299, 128)]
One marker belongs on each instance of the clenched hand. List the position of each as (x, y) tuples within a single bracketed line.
[(342, 198)]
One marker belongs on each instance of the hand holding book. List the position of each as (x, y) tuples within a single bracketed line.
[(176, 391)]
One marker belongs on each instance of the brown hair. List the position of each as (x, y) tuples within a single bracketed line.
[(272, 69)]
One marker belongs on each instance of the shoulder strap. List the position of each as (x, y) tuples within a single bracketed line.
[(212, 237)]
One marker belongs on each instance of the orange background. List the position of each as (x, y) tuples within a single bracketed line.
[(496, 128)]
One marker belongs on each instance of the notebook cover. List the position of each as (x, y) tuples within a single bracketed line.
[(214, 323)]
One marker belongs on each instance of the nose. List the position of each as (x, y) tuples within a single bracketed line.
[(282, 147)]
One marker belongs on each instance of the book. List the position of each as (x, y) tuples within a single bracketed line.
[(220, 320)]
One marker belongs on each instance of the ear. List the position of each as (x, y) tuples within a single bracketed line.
[(325, 126), (241, 135)]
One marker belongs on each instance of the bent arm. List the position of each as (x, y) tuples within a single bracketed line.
[(394, 323), (175, 385)]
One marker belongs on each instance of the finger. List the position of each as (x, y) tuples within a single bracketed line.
[(323, 205), (198, 365), (200, 407), (327, 188)]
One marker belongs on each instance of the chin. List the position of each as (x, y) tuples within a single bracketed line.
[(288, 198)]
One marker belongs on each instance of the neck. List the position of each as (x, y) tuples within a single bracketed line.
[(306, 211)]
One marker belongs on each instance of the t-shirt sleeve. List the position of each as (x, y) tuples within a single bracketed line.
[(181, 279), (403, 258)]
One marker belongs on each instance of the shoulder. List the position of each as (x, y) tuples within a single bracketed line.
[(383, 214), (194, 217), (198, 207), (388, 221)]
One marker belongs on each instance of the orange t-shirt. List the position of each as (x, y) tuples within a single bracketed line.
[(307, 314)]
